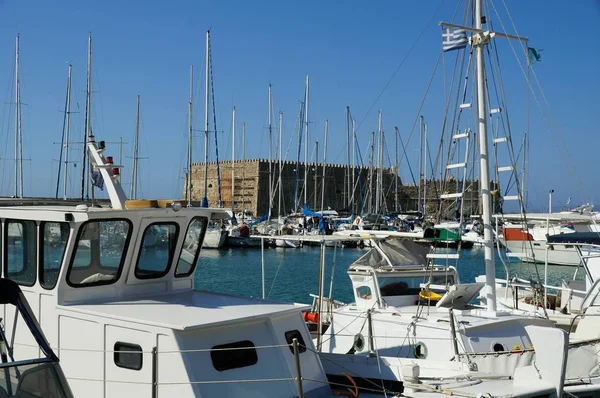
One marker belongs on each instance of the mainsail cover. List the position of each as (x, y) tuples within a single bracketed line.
[(398, 251)]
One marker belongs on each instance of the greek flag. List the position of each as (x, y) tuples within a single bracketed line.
[(454, 39), (97, 180)]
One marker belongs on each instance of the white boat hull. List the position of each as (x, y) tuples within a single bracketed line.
[(214, 239)]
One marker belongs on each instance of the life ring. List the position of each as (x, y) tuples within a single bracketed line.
[(352, 392), (357, 220), (430, 295), (309, 316)]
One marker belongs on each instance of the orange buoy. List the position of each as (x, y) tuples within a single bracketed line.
[(310, 317)]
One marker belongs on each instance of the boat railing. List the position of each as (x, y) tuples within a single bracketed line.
[(327, 307)]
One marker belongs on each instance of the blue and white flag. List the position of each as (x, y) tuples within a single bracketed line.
[(97, 180), (454, 39)]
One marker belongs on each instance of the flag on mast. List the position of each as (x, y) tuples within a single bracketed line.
[(454, 39), (533, 55)]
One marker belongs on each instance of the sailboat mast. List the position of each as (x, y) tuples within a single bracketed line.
[(280, 164), (188, 188), (18, 132), (419, 208), (347, 174), (371, 172), (316, 164), (67, 132), (233, 161), (207, 82), (396, 171), (243, 166), (324, 163), (425, 154), (270, 153), (379, 162), (88, 119), (353, 162), (490, 266), (136, 138), (306, 141), (65, 140)]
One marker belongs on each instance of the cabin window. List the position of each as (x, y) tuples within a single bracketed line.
[(190, 251), (390, 286), (364, 292), (55, 236), (157, 251), (234, 355), (295, 334), (21, 255), (99, 253), (128, 356)]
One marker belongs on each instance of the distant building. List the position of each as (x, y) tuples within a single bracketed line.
[(344, 190), (252, 186)]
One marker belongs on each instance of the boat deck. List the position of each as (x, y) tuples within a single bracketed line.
[(187, 310)]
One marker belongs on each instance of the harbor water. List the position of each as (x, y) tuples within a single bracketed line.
[(291, 275)]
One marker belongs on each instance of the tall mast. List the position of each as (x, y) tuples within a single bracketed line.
[(324, 163), (88, 123), (379, 162), (65, 143), (233, 161), (396, 171), (371, 160), (280, 164), (306, 141), (243, 166), (316, 164), (347, 174), (419, 208), (18, 132), (425, 152), (207, 70), (136, 146), (490, 266), (353, 160), (270, 153), (188, 188)]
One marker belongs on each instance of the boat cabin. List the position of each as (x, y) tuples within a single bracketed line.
[(113, 289), (395, 273)]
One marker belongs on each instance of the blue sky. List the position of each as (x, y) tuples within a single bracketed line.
[(350, 50)]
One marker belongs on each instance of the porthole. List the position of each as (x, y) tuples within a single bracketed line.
[(359, 342), (128, 356), (498, 347), (420, 350)]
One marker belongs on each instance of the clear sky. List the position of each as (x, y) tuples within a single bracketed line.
[(350, 50)]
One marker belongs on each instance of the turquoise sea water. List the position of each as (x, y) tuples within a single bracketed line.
[(292, 274)]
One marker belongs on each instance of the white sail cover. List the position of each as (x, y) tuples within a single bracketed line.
[(398, 251)]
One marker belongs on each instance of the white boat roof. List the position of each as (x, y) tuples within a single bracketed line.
[(562, 216), (188, 310), (318, 238)]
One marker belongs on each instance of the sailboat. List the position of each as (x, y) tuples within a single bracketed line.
[(408, 307)]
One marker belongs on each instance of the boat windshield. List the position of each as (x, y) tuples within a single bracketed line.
[(99, 252), (411, 285), (38, 379)]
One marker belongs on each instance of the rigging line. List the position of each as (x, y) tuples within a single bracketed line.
[(567, 155), (8, 122), (212, 89), (407, 163), (412, 130), (401, 63)]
